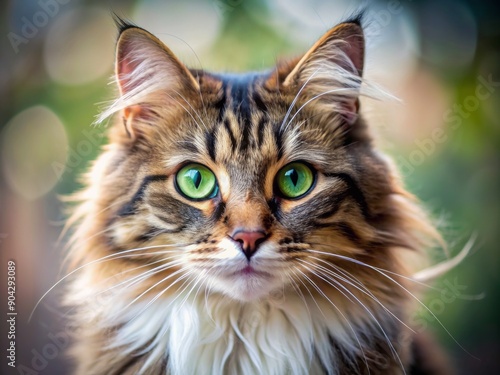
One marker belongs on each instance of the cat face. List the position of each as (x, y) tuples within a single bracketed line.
[(245, 184)]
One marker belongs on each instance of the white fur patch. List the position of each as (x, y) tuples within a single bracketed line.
[(216, 335)]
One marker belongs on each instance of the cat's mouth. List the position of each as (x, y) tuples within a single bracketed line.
[(249, 271), (244, 280), (248, 283)]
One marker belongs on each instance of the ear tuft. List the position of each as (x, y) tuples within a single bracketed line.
[(331, 71), (122, 24), (357, 18), (150, 78)]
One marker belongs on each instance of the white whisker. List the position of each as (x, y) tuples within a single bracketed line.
[(401, 286), (363, 289), (154, 286), (96, 261), (318, 289), (314, 98), (297, 97), (143, 276), (375, 320)]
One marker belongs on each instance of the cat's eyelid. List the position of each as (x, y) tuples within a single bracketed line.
[(175, 164)]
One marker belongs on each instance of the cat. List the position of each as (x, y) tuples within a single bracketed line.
[(245, 224)]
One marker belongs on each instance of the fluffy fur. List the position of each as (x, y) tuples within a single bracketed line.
[(159, 285)]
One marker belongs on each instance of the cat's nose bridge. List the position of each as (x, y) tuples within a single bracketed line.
[(248, 212)]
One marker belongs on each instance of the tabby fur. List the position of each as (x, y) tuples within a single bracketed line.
[(155, 287)]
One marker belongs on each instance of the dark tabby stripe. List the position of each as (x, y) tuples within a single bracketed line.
[(334, 202), (260, 130), (219, 211), (240, 90), (190, 146), (129, 208), (210, 140), (354, 190), (134, 359), (257, 99), (348, 231), (242, 98), (232, 138), (278, 139), (173, 211), (150, 233), (220, 105)]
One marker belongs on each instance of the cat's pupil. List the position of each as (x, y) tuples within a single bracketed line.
[(196, 177), (294, 176)]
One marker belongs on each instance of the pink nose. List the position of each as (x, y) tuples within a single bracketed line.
[(249, 240)]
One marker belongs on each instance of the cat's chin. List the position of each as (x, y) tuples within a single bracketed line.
[(247, 285), (249, 295)]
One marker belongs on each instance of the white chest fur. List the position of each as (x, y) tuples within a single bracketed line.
[(215, 335)]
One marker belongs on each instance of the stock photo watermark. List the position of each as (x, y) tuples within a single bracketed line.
[(11, 313), (454, 118), (450, 291), (41, 357), (258, 316), (30, 26), (79, 153), (381, 18), (222, 7), (56, 342)]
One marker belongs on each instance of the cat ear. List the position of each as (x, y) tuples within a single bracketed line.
[(149, 76), (330, 73)]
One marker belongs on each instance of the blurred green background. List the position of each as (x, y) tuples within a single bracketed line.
[(440, 58)]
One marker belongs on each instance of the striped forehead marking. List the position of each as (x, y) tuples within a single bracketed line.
[(240, 97)]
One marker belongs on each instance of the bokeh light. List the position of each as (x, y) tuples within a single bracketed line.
[(79, 46), (189, 28), (448, 34), (34, 151)]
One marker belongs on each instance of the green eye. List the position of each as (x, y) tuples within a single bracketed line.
[(294, 180), (197, 182)]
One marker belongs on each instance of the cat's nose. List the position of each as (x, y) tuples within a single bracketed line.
[(249, 240)]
